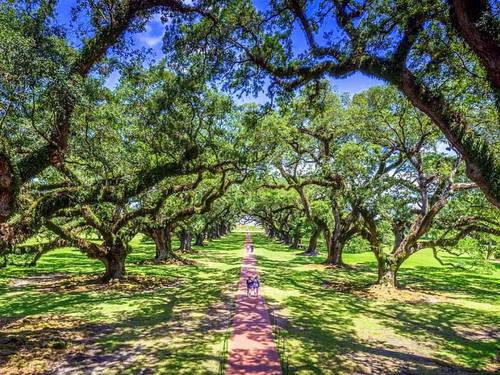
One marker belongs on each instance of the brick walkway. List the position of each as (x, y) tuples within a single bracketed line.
[(252, 349)]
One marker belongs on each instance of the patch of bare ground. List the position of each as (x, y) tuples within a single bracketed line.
[(343, 286), (168, 262), (394, 361), (31, 345), (37, 279), (60, 344), (378, 292), (89, 283), (95, 361), (407, 295)]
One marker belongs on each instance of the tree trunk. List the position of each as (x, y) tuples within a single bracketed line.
[(213, 234), (335, 245), (388, 268), (199, 239), (186, 238), (398, 230), (312, 248), (114, 262), (163, 241), (7, 188), (335, 248), (295, 242)]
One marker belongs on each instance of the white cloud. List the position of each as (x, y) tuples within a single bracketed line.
[(150, 41), (153, 33)]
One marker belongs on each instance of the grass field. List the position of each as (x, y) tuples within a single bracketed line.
[(173, 319), (330, 323)]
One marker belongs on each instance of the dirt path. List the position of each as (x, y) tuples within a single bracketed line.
[(252, 349)]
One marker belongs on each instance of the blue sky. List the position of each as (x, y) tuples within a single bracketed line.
[(152, 38)]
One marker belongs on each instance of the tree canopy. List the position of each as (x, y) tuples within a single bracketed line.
[(168, 150)]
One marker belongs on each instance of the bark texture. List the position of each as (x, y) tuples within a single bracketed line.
[(475, 23), (163, 243), (7, 188), (114, 262)]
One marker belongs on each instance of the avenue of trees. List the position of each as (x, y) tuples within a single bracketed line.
[(373, 168), (168, 153)]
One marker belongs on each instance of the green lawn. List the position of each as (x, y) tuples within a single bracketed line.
[(176, 322), (330, 324), (177, 328)]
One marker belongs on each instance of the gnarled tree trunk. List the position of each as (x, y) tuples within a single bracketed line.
[(163, 241), (335, 248), (335, 243), (285, 238), (114, 261), (388, 267)]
